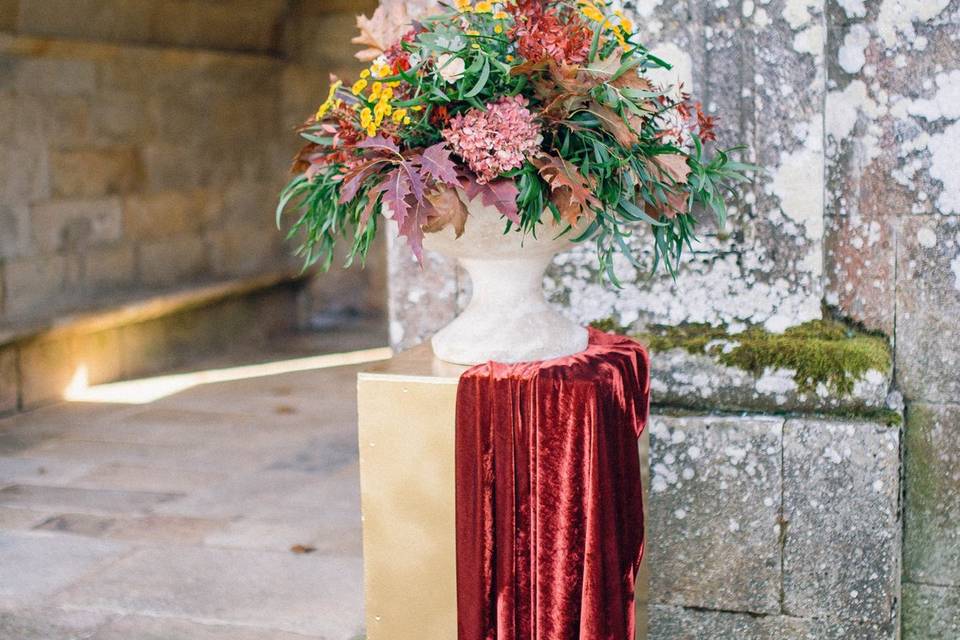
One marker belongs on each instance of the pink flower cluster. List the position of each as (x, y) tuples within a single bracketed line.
[(495, 140)]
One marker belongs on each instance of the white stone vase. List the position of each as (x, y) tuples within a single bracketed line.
[(508, 319)]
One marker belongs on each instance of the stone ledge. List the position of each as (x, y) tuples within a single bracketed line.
[(40, 360), (118, 312)]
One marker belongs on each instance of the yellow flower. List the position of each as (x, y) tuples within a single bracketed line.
[(359, 86), (483, 7), (375, 90), (380, 70), (386, 94), (472, 32), (406, 121), (501, 15), (366, 117), (475, 46), (371, 131), (463, 5), (625, 23), (365, 73), (399, 115), (509, 58), (330, 102), (417, 107), (591, 11), (498, 28)]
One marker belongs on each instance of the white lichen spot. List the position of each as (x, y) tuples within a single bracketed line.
[(955, 267), (797, 180), (694, 453), (680, 74), (851, 55), (680, 514), (809, 40), (898, 16), (926, 237), (853, 8), (943, 167), (797, 12), (944, 104), (658, 484)]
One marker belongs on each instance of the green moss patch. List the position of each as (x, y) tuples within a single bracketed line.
[(820, 351)]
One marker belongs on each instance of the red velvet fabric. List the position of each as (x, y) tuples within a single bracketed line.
[(549, 510)]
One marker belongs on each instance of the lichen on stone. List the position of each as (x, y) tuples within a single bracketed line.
[(818, 351)]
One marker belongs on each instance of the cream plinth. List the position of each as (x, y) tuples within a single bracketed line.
[(508, 319)]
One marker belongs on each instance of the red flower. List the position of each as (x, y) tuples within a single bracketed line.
[(556, 33)]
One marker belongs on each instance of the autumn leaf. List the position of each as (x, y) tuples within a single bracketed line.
[(501, 193), (353, 179), (674, 165), (381, 144), (570, 190), (615, 124), (448, 209), (302, 549), (395, 188), (436, 162)]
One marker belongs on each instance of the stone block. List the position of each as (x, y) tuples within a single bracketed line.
[(14, 229), (174, 261), (25, 173), (120, 117), (9, 10), (149, 628), (125, 20), (682, 379), (713, 535), (91, 173), (33, 284), (676, 623), (38, 565), (931, 545), (71, 225), (89, 501), (109, 268), (928, 305), (930, 612), (161, 214), (244, 25), (43, 623), (841, 554), (245, 588), (9, 380), (55, 76)]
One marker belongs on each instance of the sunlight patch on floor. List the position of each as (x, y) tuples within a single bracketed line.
[(146, 390)]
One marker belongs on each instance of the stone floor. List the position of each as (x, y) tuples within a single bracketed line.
[(187, 517)]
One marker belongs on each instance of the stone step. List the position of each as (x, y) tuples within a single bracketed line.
[(41, 358)]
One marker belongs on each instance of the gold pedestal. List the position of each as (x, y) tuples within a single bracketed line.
[(407, 412)]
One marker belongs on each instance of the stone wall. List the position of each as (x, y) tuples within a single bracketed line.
[(144, 143), (852, 108)]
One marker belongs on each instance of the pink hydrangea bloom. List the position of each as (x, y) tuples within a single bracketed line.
[(495, 140)]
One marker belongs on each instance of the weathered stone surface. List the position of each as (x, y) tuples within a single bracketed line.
[(32, 283), (928, 305), (682, 379), (676, 623), (841, 492), (931, 550), (148, 628), (713, 534), (930, 612), (38, 565), (231, 586), (9, 381), (91, 173), (423, 298), (174, 260), (71, 225), (81, 500), (44, 623)]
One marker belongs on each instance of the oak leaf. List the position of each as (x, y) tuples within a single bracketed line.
[(501, 193), (448, 209), (570, 189)]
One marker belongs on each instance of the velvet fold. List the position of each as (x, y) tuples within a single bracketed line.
[(549, 510)]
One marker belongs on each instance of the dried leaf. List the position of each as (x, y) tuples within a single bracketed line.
[(436, 162), (302, 548), (615, 124), (381, 144), (674, 165), (570, 190), (448, 209), (501, 193), (395, 187), (353, 179)]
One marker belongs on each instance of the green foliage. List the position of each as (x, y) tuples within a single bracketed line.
[(819, 351)]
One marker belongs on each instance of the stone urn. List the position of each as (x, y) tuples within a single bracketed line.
[(508, 319)]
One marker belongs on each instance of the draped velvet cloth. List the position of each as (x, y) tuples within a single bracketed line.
[(549, 510)]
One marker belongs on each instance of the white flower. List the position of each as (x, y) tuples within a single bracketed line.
[(451, 67)]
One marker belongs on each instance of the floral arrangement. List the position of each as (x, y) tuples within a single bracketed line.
[(540, 108)]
